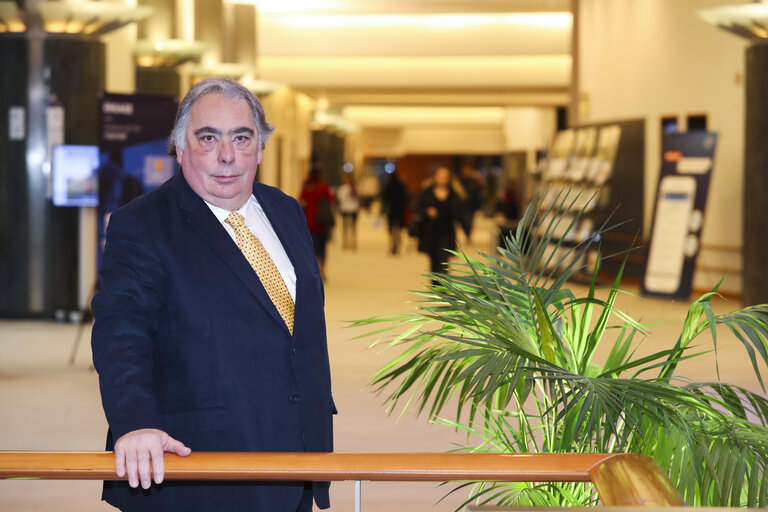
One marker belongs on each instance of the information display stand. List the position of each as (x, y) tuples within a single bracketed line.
[(602, 163), (681, 197)]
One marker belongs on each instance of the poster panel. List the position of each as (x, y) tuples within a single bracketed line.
[(681, 198), (133, 133)]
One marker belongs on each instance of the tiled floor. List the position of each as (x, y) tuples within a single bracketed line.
[(46, 404)]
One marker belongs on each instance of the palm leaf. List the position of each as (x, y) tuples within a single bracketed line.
[(505, 338)]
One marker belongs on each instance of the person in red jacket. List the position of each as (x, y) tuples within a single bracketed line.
[(316, 199)]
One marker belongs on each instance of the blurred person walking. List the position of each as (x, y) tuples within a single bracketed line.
[(474, 185), (509, 202), (437, 212), (394, 199), (368, 191), (349, 205), (316, 199)]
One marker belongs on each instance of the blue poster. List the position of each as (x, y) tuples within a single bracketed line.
[(134, 133), (681, 199)]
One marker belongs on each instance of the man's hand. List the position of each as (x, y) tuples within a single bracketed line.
[(134, 450)]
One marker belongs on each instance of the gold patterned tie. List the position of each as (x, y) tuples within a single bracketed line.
[(265, 268)]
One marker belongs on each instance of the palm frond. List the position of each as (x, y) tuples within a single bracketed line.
[(504, 339), (749, 325)]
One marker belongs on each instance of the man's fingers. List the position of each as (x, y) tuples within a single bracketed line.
[(139, 454), (177, 447), (158, 463), (120, 461), (132, 467), (144, 471)]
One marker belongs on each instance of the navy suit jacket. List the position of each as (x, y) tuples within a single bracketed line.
[(187, 340)]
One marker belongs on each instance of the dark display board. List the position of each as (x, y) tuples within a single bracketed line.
[(681, 199), (134, 133), (604, 163)]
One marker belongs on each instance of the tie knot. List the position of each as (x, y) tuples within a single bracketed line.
[(235, 220)]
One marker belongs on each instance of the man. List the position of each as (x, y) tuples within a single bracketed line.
[(200, 342)]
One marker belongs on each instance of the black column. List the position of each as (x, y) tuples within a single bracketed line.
[(755, 206), (14, 200), (39, 242)]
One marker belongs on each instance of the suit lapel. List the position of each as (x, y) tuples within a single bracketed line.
[(204, 222)]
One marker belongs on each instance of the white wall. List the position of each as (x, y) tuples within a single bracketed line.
[(654, 58), (529, 129), (120, 70), (476, 140), (432, 140), (290, 112), (380, 141), (396, 131)]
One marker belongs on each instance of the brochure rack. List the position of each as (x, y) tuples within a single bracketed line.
[(601, 167)]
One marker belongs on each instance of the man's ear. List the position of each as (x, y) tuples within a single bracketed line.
[(259, 156), (178, 155)]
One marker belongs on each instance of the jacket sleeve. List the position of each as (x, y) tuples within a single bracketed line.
[(127, 312)]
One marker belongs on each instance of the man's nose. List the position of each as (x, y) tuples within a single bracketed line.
[(226, 152)]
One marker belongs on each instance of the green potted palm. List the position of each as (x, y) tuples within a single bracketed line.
[(505, 347)]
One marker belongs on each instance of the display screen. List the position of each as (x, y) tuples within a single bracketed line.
[(74, 175)]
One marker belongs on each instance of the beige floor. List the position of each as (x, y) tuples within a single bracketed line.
[(47, 405)]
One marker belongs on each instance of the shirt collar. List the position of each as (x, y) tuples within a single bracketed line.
[(222, 214)]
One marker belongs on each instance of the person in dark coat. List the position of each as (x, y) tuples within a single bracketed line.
[(194, 350), (438, 210), (394, 199)]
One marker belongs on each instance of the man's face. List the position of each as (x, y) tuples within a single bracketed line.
[(222, 151)]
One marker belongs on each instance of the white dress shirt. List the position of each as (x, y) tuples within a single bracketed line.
[(258, 224)]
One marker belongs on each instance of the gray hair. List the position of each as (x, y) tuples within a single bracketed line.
[(231, 90)]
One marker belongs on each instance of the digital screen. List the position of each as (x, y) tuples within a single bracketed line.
[(74, 175)]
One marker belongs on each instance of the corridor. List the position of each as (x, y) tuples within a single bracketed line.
[(48, 405)]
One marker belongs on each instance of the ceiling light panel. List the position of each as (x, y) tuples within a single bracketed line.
[(410, 35), (407, 6)]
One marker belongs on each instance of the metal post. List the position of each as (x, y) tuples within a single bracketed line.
[(36, 157), (575, 103), (358, 501)]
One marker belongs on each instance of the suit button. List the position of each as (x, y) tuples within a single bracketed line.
[(294, 399), (293, 350)]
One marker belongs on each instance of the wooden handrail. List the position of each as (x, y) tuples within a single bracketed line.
[(620, 479)]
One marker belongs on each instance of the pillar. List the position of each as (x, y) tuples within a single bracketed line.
[(755, 205)]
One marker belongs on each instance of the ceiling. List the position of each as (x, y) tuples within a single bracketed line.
[(407, 6), (379, 54)]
